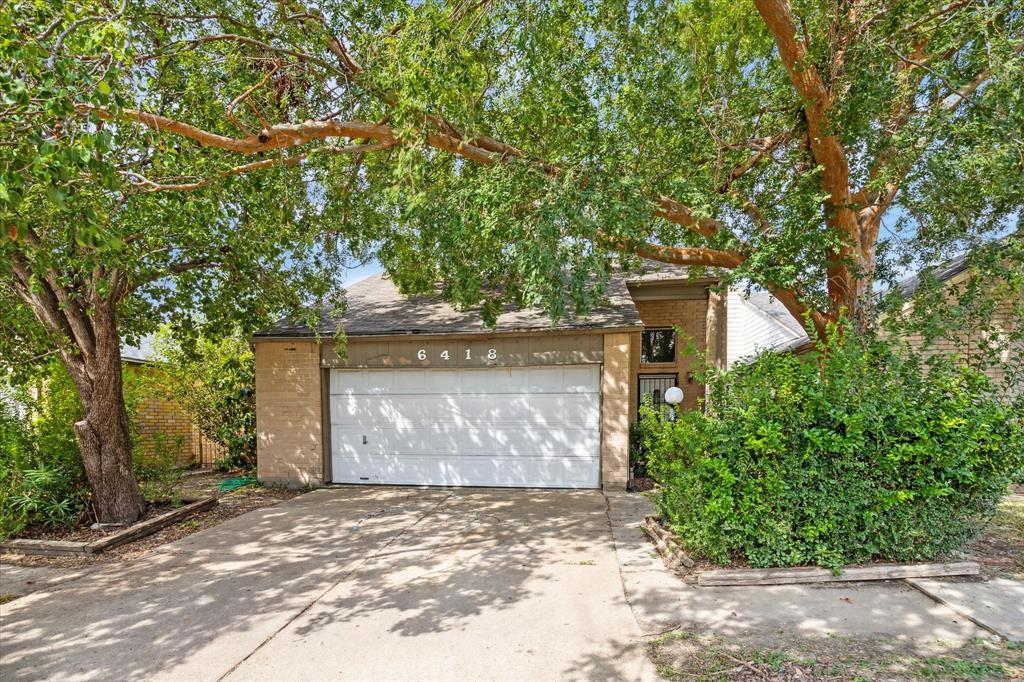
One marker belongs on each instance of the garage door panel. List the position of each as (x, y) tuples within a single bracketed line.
[(554, 379), (486, 442), (537, 411), (523, 426), (438, 470)]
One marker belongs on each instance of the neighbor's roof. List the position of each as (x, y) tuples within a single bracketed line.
[(376, 308), (943, 272), (140, 354)]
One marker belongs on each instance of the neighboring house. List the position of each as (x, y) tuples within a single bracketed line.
[(159, 421), (759, 322), (954, 275), (425, 394)]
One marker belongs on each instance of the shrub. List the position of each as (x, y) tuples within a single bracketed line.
[(41, 477), (214, 382), (641, 432), (868, 453)]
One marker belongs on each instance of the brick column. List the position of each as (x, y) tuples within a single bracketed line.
[(289, 445), (615, 404)]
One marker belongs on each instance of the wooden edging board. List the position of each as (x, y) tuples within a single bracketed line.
[(665, 543), (44, 547), (790, 576), (141, 530), (134, 532)]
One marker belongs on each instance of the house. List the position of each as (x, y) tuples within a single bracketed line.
[(159, 421), (422, 393), (759, 322), (977, 339)]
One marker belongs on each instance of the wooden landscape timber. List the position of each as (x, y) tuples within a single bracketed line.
[(121, 537), (793, 576)]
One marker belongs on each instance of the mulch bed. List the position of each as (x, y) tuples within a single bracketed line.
[(694, 569), (84, 532), (643, 484), (230, 505)]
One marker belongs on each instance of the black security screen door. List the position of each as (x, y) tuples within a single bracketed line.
[(658, 345), (655, 385)]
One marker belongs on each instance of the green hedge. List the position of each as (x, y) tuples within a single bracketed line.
[(860, 452)]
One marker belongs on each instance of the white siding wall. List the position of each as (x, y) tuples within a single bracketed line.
[(753, 327)]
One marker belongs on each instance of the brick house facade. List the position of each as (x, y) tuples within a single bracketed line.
[(421, 393)]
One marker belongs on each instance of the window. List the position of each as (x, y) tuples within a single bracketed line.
[(658, 345), (655, 385)]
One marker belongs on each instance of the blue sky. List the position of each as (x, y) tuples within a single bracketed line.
[(353, 275)]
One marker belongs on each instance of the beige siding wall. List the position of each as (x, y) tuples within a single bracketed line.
[(691, 316), (615, 401), (289, 447)]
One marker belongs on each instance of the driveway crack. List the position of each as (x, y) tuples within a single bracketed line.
[(337, 582)]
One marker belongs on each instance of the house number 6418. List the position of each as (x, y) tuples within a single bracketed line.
[(421, 354)]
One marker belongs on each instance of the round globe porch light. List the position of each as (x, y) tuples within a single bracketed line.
[(674, 396)]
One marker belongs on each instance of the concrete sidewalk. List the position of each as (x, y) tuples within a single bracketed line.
[(661, 601), (351, 583)]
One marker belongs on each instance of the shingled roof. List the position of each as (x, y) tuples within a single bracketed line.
[(376, 308)]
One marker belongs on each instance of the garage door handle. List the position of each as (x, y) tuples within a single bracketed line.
[(364, 440)]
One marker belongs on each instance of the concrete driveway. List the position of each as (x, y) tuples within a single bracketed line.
[(351, 583)]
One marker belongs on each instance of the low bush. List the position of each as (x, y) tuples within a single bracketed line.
[(640, 434), (863, 451), (41, 476)]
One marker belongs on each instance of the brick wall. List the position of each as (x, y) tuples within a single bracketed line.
[(691, 316), (289, 444), (160, 419), (1004, 320)]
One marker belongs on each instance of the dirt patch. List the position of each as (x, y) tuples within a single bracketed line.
[(231, 504), (1000, 550), (642, 484), (682, 655)]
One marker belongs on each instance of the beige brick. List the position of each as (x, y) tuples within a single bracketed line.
[(289, 447), (615, 396), (691, 316)]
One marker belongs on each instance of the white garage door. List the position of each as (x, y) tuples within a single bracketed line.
[(495, 426)]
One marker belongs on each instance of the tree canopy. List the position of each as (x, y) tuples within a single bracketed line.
[(807, 147)]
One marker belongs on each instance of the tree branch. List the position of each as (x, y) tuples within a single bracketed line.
[(766, 146), (729, 260), (175, 269), (288, 161), (825, 144)]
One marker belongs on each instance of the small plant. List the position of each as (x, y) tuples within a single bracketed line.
[(46, 497), (41, 478), (160, 471), (641, 433), (949, 668)]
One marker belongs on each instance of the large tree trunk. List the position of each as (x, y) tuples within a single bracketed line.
[(104, 439)]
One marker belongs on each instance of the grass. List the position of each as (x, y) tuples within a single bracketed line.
[(4, 598), (681, 655), (1001, 546)]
